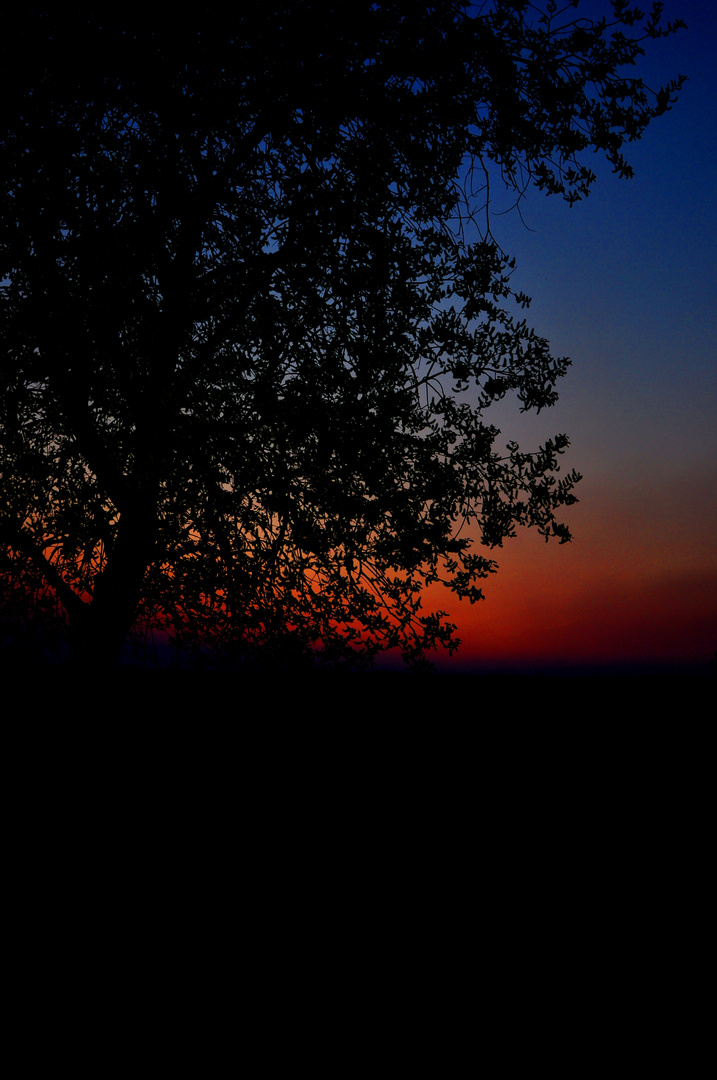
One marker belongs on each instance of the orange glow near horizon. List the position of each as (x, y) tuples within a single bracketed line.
[(637, 586)]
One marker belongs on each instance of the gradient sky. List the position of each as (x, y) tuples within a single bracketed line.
[(625, 284)]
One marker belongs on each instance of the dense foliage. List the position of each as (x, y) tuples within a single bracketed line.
[(253, 319)]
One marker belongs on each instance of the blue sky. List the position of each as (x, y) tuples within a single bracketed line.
[(625, 283)]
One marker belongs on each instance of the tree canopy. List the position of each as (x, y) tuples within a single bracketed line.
[(253, 315)]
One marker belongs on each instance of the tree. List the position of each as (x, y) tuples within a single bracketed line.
[(252, 319)]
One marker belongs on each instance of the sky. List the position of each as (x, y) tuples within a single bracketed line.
[(625, 284)]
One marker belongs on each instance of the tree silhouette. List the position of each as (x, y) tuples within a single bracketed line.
[(253, 318)]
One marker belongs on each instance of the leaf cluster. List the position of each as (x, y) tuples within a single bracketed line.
[(248, 343)]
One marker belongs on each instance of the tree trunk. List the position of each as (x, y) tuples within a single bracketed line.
[(102, 631)]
